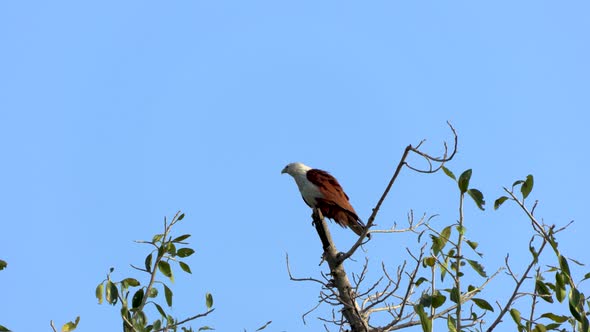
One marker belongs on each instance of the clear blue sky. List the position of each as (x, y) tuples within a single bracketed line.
[(114, 114)]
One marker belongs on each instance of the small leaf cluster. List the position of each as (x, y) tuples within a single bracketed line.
[(463, 183), (561, 285), (166, 252)]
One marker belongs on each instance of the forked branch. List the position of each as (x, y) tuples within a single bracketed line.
[(440, 160)]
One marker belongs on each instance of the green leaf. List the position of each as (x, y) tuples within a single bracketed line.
[(3, 265), (436, 244), (438, 299), (148, 262), (574, 301), (424, 320), (157, 325), (429, 261), (477, 267), (499, 202), (209, 300), (264, 326), (185, 267), (461, 229), (543, 290), (130, 282), (451, 324), (153, 292), (157, 238), (111, 293), (464, 181), (559, 287), (137, 298), (425, 300), (160, 310), (515, 316), (164, 267), (554, 317), (540, 328), (180, 217), (98, 292), (527, 186), (483, 304), (171, 249), (553, 326), (205, 328), (185, 252), (181, 238), (586, 276), (70, 326), (565, 268), (516, 183), (449, 173), (420, 281), (477, 198), (4, 329), (168, 295), (472, 244), (445, 235), (139, 320), (455, 295), (576, 262)]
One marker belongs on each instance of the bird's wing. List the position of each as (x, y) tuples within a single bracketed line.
[(330, 189)]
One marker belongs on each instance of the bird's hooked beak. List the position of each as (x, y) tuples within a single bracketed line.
[(284, 170)]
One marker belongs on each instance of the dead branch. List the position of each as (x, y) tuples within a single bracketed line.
[(409, 289), (441, 160), (346, 296), (302, 279)]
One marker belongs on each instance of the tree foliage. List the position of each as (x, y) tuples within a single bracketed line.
[(166, 252)]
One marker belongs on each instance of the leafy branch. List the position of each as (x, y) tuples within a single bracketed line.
[(157, 262)]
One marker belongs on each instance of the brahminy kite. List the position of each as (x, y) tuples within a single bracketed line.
[(321, 190)]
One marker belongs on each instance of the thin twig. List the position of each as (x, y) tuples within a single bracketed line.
[(166, 328)]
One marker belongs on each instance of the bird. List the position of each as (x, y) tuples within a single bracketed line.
[(321, 190)]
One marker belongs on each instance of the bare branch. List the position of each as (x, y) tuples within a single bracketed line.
[(301, 279), (409, 289), (516, 289), (168, 327), (442, 160)]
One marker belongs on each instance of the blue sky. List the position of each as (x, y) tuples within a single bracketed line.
[(115, 114)]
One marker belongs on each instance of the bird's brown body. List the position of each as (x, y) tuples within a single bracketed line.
[(321, 190)]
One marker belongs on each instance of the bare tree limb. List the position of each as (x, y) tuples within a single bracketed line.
[(441, 160), (346, 296)]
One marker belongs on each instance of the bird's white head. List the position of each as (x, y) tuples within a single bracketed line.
[(295, 169)]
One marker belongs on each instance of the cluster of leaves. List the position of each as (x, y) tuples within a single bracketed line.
[(158, 262), (447, 259), (564, 286), (556, 282)]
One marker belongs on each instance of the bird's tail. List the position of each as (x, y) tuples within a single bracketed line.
[(357, 225)]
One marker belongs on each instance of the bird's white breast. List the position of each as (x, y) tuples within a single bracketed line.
[(308, 190)]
